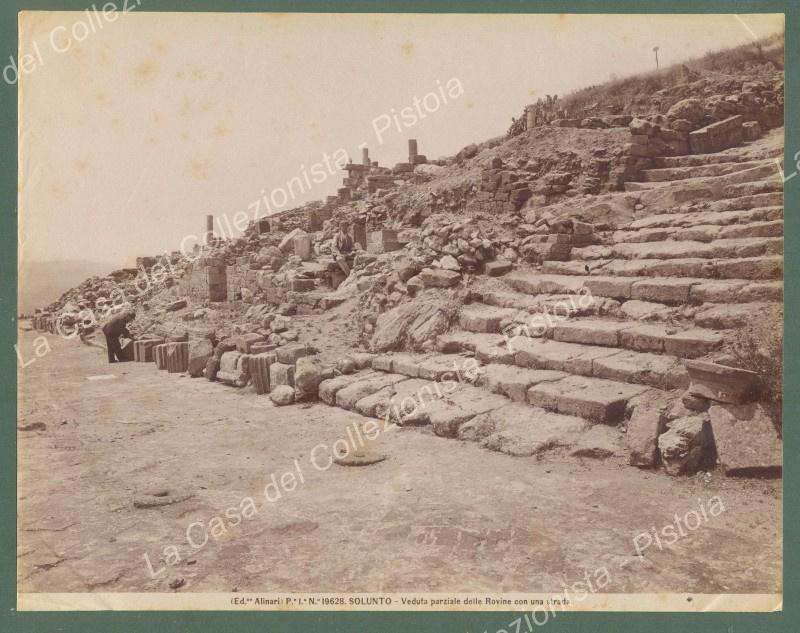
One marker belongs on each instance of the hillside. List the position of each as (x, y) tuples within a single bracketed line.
[(590, 280), (41, 283)]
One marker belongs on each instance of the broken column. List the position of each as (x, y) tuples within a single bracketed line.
[(365, 156), (412, 150), (209, 228), (530, 118)]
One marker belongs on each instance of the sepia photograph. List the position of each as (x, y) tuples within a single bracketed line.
[(399, 312)]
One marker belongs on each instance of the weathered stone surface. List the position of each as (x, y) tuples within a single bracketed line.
[(367, 405), (513, 381), (328, 388), (599, 442), (348, 396), (692, 343), (410, 324), (647, 423), (570, 357), (382, 363), (747, 442), (495, 352), (497, 268), (176, 305), (656, 370), (406, 365), (483, 318), (686, 446), (614, 287), (590, 398), (245, 342), (233, 369), (449, 367), (464, 403), (200, 350), (662, 290), (346, 365), (590, 332), (410, 396), (439, 278), (362, 360), (521, 430), (281, 374), (721, 383), (307, 376), (289, 354), (282, 395), (644, 338)]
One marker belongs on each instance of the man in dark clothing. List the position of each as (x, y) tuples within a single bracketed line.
[(342, 248), (114, 329)]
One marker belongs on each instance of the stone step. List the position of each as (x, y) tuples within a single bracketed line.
[(641, 368), (744, 153), (657, 338), (451, 401), (531, 304), (700, 232), (496, 414), (485, 318), (762, 171), (669, 291), (768, 267), (705, 218), (725, 248), (597, 400), (744, 202), (662, 174)]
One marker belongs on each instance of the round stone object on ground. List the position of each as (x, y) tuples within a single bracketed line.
[(359, 458), (282, 395)]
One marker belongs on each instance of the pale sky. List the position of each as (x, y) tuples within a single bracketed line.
[(144, 125)]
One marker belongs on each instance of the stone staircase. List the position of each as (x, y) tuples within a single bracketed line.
[(554, 356)]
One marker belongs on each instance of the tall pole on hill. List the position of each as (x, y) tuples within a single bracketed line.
[(655, 50)]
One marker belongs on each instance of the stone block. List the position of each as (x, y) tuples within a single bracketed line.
[(497, 268), (200, 350), (382, 363), (281, 374), (307, 376), (746, 440), (721, 383), (288, 354), (234, 369), (382, 241), (302, 285), (601, 401), (438, 278), (647, 423), (303, 247), (687, 445), (662, 290)]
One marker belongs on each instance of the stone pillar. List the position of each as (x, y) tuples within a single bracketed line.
[(365, 156), (530, 120), (209, 228), (412, 150)]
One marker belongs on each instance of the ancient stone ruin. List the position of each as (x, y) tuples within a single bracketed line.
[(590, 285)]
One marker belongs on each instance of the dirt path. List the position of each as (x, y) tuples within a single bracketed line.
[(437, 515)]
